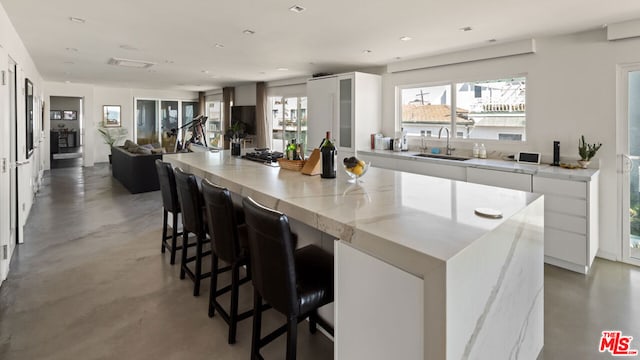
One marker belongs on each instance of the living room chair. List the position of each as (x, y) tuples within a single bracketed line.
[(294, 282)]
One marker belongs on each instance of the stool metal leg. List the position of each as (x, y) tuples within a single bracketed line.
[(257, 323), (183, 262), (165, 219), (198, 272), (235, 284), (214, 284), (292, 337), (174, 238)]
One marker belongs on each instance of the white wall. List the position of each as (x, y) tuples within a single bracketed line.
[(11, 46), (245, 95), (95, 97), (571, 90)]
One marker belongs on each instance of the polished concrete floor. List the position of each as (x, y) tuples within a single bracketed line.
[(90, 283)]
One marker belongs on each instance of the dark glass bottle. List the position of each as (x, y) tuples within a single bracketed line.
[(329, 157)]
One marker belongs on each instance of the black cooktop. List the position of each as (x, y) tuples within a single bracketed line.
[(263, 155)]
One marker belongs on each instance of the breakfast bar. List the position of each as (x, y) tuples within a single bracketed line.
[(421, 271)]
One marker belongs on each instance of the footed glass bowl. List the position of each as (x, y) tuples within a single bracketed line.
[(356, 172)]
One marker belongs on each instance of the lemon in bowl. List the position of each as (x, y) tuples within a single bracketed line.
[(355, 168)]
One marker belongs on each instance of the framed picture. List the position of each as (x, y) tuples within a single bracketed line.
[(29, 99), (55, 114), (111, 115), (69, 115)]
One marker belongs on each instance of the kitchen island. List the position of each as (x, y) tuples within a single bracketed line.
[(419, 275)]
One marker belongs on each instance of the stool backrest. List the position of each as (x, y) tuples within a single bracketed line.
[(168, 186), (271, 252), (190, 201), (221, 218)]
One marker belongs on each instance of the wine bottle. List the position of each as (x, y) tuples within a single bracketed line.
[(329, 157)]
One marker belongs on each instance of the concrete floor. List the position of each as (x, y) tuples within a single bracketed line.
[(90, 283)]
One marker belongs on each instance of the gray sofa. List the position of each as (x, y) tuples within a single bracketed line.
[(137, 172)]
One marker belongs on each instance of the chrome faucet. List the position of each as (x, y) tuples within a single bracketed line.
[(449, 148)]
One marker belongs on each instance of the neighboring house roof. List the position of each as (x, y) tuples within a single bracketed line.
[(432, 114)]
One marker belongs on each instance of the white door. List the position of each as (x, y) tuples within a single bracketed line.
[(628, 148), (8, 193)]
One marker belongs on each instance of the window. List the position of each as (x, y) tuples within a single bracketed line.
[(490, 110), (425, 108), (158, 121), (288, 116), (214, 124)]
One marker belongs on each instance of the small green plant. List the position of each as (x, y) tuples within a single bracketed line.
[(112, 135), (587, 151)]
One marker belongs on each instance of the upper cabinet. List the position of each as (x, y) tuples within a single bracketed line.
[(348, 105)]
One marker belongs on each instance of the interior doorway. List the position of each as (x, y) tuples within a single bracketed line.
[(66, 129)]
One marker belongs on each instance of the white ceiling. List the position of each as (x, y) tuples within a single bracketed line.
[(330, 36)]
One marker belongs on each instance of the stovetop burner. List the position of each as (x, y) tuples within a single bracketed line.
[(263, 155)]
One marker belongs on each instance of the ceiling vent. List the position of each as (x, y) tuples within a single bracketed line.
[(139, 64)]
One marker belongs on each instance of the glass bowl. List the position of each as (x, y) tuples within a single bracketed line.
[(356, 172)]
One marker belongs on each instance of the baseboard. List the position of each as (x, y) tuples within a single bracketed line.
[(566, 265), (607, 255)]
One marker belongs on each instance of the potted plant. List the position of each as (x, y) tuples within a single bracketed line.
[(586, 151), (234, 134), (111, 136)]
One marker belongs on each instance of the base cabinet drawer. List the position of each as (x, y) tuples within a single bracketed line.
[(452, 172), (504, 179), (565, 245)]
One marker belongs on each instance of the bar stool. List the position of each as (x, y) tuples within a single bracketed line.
[(295, 283), (191, 204), (170, 204), (230, 246)]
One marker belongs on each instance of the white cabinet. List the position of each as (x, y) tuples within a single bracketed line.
[(378, 161), (378, 308), (503, 179), (452, 172), (571, 221), (348, 105)]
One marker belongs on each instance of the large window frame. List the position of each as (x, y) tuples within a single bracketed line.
[(461, 119), (160, 133), (281, 129)]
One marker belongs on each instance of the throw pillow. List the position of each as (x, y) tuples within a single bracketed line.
[(144, 150)]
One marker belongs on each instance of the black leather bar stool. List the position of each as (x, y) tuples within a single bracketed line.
[(295, 283), (191, 204), (171, 205), (230, 246)]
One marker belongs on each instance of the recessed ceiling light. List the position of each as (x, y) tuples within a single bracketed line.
[(140, 64), (71, 49), (151, 71), (283, 69), (67, 82), (168, 61), (248, 32), (297, 9), (205, 71), (492, 40), (367, 51), (398, 58), (405, 38), (127, 47), (466, 28), (77, 20), (219, 46)]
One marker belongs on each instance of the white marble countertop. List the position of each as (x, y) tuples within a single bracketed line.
[(544, 170), (430, 216)]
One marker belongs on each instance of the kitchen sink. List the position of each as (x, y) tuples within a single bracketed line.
[(442, 156)]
